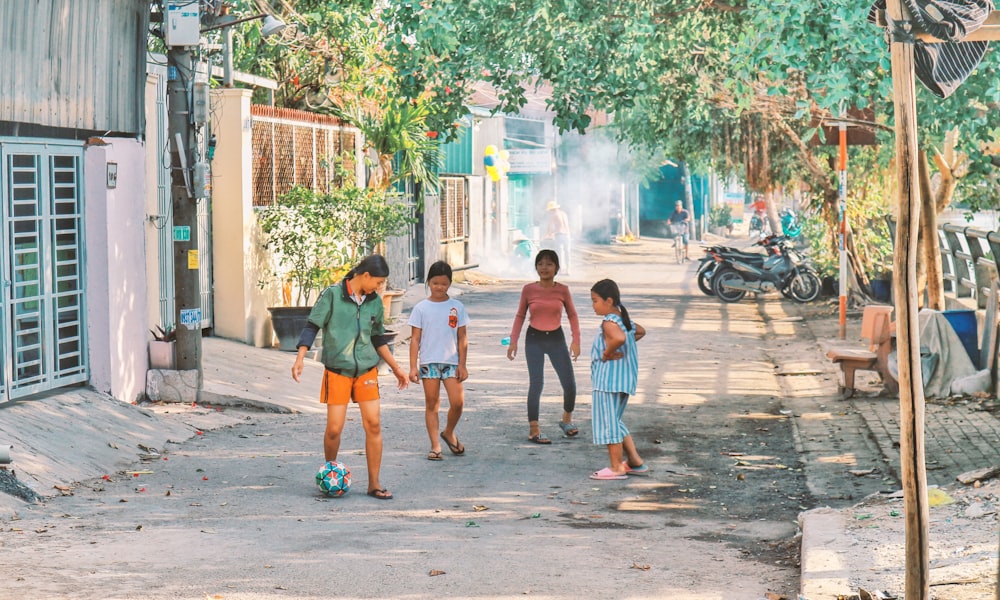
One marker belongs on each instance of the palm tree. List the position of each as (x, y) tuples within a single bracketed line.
[(399, 130)]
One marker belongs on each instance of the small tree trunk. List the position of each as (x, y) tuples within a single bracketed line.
[(929, 262)]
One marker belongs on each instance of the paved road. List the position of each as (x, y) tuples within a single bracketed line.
[(740, 437)]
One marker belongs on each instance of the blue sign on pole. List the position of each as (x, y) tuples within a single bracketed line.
[(191, 318)]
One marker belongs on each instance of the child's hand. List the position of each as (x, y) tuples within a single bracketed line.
[(574, 351), (616, 355), (414, 376), (297, 369), (512, 350), (463, 373), (400, 377)]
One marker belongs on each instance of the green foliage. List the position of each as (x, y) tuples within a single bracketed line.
[(721, 215), (314, 236), (398, 130)]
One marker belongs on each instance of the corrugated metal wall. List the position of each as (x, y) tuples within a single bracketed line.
[(78, 64)]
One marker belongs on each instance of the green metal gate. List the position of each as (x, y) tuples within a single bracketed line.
[(42, 329)]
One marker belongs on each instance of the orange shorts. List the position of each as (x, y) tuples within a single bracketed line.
[(341, 389)]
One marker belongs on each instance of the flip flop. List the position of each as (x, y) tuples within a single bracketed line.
[(569, 429), (457, 448), (434, 455), (642, 469), (538, 439), (607, 474), (382, 494)]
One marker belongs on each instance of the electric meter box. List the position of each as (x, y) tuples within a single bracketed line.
[(200, 103), (201, 180), (182, 26)]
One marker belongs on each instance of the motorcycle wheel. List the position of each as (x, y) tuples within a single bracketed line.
[(705, 273), (805, 286), (725, 276)]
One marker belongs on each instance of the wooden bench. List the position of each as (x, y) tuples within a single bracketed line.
[(876, 327)]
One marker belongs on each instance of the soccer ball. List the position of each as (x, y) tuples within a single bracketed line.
[(334, 479)]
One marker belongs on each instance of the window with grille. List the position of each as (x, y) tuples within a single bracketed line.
[(454, 200)]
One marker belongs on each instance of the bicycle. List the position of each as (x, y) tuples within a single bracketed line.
[(679, 230)]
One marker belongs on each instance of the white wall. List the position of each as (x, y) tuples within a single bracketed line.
[(116, 268)]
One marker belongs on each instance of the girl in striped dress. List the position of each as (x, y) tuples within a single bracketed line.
[(614, 372)]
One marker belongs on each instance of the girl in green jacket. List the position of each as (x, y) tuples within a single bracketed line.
[(351, 316)]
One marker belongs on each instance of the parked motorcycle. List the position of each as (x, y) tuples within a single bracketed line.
[(709, 263), (786, 271)]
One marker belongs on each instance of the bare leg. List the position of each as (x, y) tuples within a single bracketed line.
[(336, 414), (631, 454), (456, 404), (533, 429), (373, 441), (432, 404), (615, 454)]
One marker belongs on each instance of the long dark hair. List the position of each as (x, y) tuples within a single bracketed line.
[(374, 265), (608, 289), (547, 254), (437, 269)]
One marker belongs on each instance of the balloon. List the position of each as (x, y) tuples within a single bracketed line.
[(504, 155), (490, 160), (490, 150), (493, 173)]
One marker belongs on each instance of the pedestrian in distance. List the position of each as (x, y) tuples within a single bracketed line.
[(679, 217), (543, 303), (352, 317), (614, 374), (439, 346), (556, 236)]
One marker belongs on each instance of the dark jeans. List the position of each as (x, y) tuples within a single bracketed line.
[(538, 344)]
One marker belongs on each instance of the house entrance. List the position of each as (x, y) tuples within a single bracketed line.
[(42, 333)]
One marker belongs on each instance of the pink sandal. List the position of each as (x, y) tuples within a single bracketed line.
[(607, 474)]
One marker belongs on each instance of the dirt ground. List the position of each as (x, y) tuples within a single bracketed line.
[(963, 544)]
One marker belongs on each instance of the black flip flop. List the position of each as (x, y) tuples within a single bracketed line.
[(457, 448), (538, 439), (382, 494)]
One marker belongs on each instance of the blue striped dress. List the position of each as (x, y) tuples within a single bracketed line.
[(620, 375), (613, 382)]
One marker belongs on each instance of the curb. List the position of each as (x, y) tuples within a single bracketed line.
[(823, 573)]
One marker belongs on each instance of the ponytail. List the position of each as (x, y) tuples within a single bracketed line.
[(608, 289)]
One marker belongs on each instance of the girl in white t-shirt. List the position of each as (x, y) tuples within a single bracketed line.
[(438, 349)]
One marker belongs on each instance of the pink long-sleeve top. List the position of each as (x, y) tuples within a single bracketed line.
[(544, 308)]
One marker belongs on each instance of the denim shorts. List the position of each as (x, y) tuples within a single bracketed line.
[(438, 371)]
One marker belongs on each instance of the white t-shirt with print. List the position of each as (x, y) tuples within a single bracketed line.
[(438, 323)]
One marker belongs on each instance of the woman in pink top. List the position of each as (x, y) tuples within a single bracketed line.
[(543, 302)]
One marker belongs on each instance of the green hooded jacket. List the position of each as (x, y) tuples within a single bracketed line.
[(352, 332)]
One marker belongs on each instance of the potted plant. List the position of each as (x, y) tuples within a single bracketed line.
[(315, 238), (161, 348), (720, 218)]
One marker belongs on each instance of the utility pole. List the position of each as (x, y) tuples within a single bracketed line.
[(181, 127)]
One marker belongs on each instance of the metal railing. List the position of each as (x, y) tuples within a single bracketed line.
[(968, 261)]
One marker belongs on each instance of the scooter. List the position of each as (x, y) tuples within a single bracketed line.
[(785, 271), (709, 262)]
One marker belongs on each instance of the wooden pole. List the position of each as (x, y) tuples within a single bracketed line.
[(911, 392), (842, 214)]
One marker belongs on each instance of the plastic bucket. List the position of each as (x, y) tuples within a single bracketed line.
[(964, 323), (881, 290)]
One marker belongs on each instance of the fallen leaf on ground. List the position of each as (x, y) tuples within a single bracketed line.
[(479, 507), (435, 573), (640, 567)]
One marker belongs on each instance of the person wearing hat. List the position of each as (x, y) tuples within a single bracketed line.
[(682, 216), (557, 231)]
